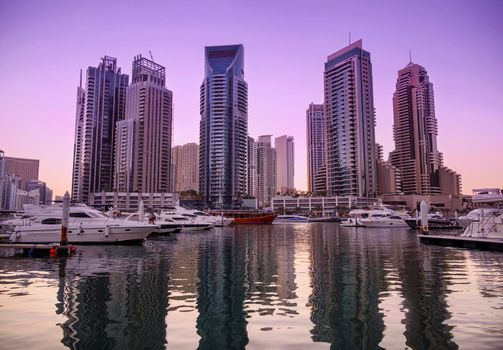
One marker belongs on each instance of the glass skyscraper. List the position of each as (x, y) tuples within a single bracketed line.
[(224, 126)]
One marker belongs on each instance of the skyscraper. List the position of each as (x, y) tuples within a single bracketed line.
[(223, 130), (186, 161), (99, 107), (284, 146), (415, 132), (143, 145), (252, 167), (349, 114), (266, 171), (315, 126)]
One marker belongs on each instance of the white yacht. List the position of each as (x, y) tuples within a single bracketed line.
[(384, 219), (490, 227), (85, 225), (476, 215), (164, 226), (287, 219), (189, 222), (219, 220)]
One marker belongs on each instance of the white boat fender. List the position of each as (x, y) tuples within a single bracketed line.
[(13, 237), (81, 230), (107, 231)]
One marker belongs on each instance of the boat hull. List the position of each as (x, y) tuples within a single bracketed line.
[(433, 224), (385, 223), (264, 219)]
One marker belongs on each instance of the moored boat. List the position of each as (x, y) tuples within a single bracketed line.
[(435, 222), (249, 217), (285, 219)]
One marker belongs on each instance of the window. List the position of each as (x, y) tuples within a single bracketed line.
[(79, 215), (51, 221)]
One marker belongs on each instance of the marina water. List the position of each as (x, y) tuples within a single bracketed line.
[(289, 286)]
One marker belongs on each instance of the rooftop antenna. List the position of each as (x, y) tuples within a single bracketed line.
[(151, 57), (80, 78)]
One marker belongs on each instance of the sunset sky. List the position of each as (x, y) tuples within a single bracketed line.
[(44, 44)]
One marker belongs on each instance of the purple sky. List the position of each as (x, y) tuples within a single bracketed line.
[(44, 44)]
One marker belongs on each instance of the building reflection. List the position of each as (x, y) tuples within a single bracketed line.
[(221, 323), (347, 276), (124, 308), (425, 283)]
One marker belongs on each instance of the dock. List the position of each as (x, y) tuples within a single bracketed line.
[(493, 244), (51, 250)]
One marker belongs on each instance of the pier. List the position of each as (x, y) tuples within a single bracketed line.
[(493, 244)]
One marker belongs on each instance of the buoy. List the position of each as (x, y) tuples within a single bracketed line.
[(53, 252)]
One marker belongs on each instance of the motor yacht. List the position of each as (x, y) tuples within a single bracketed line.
[(490, 227), (476, 215), (189, 222), (216, 220), (164, 226), (435, 222), (85, 225), (287, 219), (384, 219)]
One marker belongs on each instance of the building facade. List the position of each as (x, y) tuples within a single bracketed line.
[(130, 201), (45, 193), (350, 120), (415, 132), (99, 107), (143, 141), (223, 132), (186, 162), (266, 171), (284, 146), (26, 169), (315, 127)]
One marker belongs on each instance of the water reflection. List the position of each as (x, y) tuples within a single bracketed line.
[(277, 286)]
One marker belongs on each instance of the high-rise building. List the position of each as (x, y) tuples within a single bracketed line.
[(284, 146), (223, 130), (252, 167), (186, 161), (78, 141), (350, 120), (315, 126), (143, 143), (266, 171), (415, 132), (45, 193), (25, 169), (99, 107)]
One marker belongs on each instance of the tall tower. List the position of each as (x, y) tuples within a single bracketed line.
[(415, 132), (143, 145), (315, 126), (252, 167), (99, 107), (223, 129), (349, 116), (266, 171), (186, 171), (284, 146)]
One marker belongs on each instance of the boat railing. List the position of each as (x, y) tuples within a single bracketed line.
[(481, 228)]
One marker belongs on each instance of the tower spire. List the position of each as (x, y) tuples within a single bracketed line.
[(349, 38), (410, 56)]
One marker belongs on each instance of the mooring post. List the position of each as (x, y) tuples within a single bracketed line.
[(64, 219), (424, 216), (141, 211)]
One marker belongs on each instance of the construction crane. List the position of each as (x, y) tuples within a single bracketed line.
[(151, 57)]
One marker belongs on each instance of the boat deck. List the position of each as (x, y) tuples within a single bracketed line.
[(463, 242)]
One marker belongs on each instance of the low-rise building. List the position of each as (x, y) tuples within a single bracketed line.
[(324, 205), (130, 201)]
